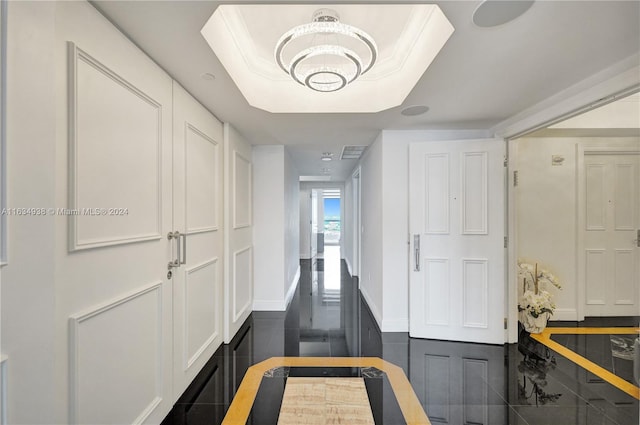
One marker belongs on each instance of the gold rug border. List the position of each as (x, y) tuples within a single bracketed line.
[(240, 408)]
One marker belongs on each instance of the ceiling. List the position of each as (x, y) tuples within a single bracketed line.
[(481, 77)]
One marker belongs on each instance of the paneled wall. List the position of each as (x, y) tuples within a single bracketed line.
[(96, 327), (239, 230)]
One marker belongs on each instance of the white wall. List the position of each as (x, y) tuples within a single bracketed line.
[(546, 211), (305, 223), (371, 280), (28, 287), (347, 224), (238, 230), (291, 187), (268, 227), (276, 227)]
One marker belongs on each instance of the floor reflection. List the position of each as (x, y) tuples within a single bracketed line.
[(456, 383)]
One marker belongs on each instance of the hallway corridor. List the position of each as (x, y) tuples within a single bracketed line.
[(455, 382)]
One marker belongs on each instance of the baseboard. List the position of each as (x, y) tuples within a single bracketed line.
[(269, 305), (349, 269), (569, 314), (395, 325), (292, 288), (372, 307)]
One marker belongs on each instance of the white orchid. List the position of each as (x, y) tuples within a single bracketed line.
[(536, 299)]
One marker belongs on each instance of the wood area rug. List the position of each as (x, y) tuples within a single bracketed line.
[(325, 401)]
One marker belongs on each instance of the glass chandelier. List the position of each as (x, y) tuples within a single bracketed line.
[(325, 55)]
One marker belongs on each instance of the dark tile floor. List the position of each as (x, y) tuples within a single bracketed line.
[(457, 383)]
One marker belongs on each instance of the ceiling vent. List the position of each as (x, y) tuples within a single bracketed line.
[(352, 151)]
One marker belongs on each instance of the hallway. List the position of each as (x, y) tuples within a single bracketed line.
[(455, 382)]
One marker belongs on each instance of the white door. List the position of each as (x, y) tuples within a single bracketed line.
[(457, 226), (611, 232), (113, 304), (197, 278)]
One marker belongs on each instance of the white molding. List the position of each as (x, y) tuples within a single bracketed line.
[(292, 288), (569, 314), (74, 55), (3, 389), (189, 361), (346, 260), (485, 292), (619, 80), (3, 133), (216, 224), (484, 230), (269, 305), (374, 309), (237, 314), (74, 327), (395, 325), (511, 272), (234, 188)]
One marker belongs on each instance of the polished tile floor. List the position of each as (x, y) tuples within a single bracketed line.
[(456, 383)]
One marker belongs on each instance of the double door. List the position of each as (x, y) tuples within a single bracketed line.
[(139, 247)]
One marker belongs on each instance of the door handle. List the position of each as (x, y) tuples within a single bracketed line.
[(175, 263), (183, 260), (637, 239), (416, 252)]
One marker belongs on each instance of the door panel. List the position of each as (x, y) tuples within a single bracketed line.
[(457, 226), (612, 219), (197, 281), (113, 298)]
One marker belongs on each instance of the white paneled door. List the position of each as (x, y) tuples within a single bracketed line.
[(457, 228), (611, 233), (198, 247)]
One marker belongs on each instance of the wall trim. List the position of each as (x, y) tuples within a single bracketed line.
[(292, 288), (234, 190), (349, 269), (74, 327), (189, 361), (570, 314), (75, 54), (216, 225), (374, 309), (3, 389), (241, 312), (395, 325), (269, 305)]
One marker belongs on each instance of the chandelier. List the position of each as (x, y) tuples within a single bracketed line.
[(325, 55)]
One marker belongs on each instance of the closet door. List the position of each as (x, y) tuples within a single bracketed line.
[(198, 248), (113, 294)]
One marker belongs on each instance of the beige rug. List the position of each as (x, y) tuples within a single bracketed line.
[(325, 401)]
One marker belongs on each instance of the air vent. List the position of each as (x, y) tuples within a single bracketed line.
[(352, 151)]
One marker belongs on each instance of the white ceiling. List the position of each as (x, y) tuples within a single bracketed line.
[(481, 77)]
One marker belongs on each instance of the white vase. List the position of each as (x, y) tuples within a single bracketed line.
[(531, 324)]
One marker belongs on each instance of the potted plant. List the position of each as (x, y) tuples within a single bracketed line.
[(535, 306)]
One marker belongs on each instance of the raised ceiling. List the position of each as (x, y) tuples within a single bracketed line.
[(408, 38), (481, 77)]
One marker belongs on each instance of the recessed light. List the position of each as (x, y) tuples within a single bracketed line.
[(414, 110), (208, 76), (327, 156), (491, 13)]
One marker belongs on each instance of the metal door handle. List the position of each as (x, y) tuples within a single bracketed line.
[(183, 260), (175, 235), (416, 252), (637, 239)]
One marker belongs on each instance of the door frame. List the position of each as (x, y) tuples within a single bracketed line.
[(357, 217), (583, 149)]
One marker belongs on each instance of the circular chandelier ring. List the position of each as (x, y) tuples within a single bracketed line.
[(326, 28), (325, 50), (307, 81)]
